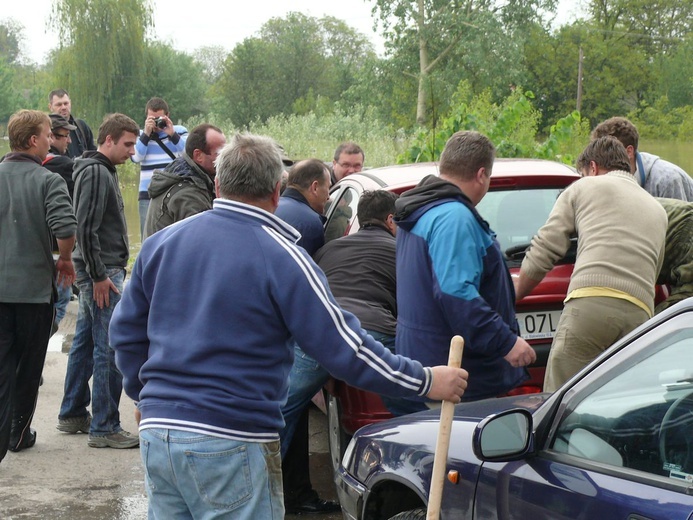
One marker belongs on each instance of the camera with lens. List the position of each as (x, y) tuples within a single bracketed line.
[(160, 122)]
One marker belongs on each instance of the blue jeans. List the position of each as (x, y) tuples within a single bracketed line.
[(306, 377), (64, 297), (143, 206), (92, 353), (189, 475)]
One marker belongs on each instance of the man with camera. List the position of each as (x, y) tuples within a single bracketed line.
[(159, 143)]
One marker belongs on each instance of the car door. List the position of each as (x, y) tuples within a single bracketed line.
[(340, 210), (620, 445)]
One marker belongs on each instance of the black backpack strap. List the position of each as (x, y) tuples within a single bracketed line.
[(162, 145)]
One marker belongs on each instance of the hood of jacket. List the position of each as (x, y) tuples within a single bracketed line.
[(179, 168), (430, 192), (90, 158)]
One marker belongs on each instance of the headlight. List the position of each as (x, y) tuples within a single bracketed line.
[(348, 453)]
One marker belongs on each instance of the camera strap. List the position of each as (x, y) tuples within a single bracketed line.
[(165, 148)]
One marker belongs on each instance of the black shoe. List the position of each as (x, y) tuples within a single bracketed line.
[(27, 441), (314, 505)]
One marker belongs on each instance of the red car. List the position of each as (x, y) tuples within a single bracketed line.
[(520, 198)]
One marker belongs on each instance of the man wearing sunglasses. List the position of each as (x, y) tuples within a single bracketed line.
[(59, 162), (57, 159)]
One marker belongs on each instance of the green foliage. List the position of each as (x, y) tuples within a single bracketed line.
[(294, 62), (659, 121), (102, 57), (10, 41), (171, 75), (511, 126), (9, 97), (439, 42), (317, 134), (676, 75), (313, 135)]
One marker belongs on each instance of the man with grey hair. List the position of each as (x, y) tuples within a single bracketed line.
[(201, 338)]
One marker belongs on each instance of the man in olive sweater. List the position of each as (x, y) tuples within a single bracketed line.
[(621, 230), (34, 206)]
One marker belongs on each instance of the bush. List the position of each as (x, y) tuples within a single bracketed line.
[(317, 134), (511, 126)]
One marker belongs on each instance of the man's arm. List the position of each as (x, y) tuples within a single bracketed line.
[(336, 339), (548, 246), (524, 285), (141, 145), (91, 191), (61, 220), (64, 266)]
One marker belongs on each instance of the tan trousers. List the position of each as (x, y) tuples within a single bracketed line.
[(588, 326)]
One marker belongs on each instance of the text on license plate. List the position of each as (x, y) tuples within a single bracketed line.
[(538, 325)]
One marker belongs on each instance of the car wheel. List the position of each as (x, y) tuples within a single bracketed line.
[(337, 438), (414, 514)]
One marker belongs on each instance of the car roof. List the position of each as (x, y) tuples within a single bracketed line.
[(506, 172)]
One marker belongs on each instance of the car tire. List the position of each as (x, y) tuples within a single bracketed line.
[(414, 514), (337, 438)]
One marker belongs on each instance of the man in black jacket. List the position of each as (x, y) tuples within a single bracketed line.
[(57, 161), (100, 260), (81, 137)]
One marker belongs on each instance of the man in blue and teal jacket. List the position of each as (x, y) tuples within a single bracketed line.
[(203, 335), (451, 277)]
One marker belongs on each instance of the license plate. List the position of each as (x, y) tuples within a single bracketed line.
[(538, 325)]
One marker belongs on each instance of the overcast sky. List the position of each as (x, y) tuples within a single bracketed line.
[(189, 25)]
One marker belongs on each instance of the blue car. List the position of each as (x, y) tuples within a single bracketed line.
[(615, 442)]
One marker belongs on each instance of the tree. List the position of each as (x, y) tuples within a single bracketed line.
[(656, 27), (171, 75), (104, 49), (211, 60), (437, 28), (9, 99), (296, 62), (10, 41)]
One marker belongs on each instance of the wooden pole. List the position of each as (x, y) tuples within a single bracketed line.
[(435, 495)]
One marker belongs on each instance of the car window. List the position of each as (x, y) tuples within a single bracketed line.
[(515, 216), (641, 417), (342, 215)]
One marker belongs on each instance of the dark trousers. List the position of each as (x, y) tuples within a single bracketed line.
[(296, 467), (24, 333)]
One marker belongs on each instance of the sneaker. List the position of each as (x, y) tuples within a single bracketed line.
[(119, 440), (75, 424)]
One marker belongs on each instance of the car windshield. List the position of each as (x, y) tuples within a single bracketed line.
[(515, 216)]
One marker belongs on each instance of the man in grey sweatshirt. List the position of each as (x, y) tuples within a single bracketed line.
[(35, 206)]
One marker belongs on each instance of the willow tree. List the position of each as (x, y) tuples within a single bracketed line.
[(102, 51)]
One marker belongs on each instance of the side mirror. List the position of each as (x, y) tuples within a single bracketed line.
[(503, 437)]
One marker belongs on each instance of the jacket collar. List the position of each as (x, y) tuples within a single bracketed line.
[(22, 157), (263, 217)]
